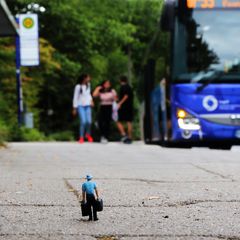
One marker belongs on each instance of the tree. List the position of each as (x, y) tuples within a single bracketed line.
[(105, 38)]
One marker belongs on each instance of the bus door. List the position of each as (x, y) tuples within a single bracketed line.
[(155, 117)]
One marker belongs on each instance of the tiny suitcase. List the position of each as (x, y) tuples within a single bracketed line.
[(99, 205), (85, 209)]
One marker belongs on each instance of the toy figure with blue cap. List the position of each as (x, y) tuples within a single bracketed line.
[(90, 195)]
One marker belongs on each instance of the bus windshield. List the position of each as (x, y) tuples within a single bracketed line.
[(206, 44)]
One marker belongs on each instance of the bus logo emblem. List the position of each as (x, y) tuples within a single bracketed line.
[(210, 103)]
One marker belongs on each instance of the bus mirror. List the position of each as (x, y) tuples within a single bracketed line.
[(167, 17)]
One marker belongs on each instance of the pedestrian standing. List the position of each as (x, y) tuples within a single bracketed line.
[(90, 195), (82, 104), (159, 112), (125, 110), (107, 96), (164, 108)]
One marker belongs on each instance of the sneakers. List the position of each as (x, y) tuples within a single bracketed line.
[(89, 138), (128, 141), (124, 138), (103, 140)]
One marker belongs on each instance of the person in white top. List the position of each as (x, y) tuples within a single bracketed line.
[(82, 104)]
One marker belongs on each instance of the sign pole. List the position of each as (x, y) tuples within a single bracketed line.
[(27, 53), (19, 82)]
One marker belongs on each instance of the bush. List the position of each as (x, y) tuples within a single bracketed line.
[(32, 135), (62, 136), (4, 133), (27, 135)]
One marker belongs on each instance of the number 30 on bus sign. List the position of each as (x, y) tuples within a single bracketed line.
[(213, 3)]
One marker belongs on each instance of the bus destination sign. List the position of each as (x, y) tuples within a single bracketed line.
[(213, 3)]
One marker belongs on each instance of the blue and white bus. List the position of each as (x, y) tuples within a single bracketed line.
[(204, 69)]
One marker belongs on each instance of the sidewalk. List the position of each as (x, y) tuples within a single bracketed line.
[(149, 192)]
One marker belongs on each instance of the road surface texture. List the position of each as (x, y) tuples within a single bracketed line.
[(149, 192)]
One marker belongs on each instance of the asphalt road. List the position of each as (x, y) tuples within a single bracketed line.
[(149, 192)]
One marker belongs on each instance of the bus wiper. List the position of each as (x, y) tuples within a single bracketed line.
[(209, 78), (203, 75)]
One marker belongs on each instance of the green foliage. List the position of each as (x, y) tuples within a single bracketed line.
[(4, 133), (106, 38), (61, 136), (27, 135), (7, 81)]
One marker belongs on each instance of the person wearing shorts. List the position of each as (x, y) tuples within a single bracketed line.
[(125, 110)]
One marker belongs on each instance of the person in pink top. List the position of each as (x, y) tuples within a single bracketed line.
[(107, 96), (82, 104)]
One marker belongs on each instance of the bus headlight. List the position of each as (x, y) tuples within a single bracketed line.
[(186, 121)]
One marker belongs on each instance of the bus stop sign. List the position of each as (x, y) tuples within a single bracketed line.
[(29, 40)]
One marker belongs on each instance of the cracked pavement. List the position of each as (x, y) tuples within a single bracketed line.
[(149, 192)]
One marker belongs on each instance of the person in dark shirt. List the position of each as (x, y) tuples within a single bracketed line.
[(125, 110)]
